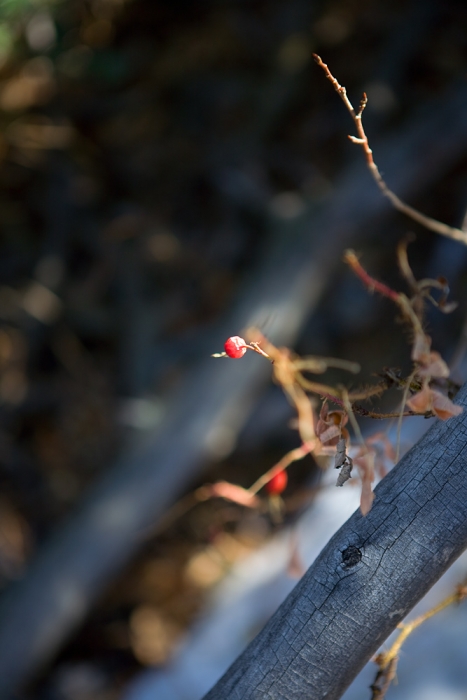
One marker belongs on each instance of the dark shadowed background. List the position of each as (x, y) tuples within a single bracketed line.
[(171, 172)]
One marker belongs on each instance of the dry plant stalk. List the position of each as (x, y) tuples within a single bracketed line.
[(429, 365), (362, 140), (326, 433), (387, 661)]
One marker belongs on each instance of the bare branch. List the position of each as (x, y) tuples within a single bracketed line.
[(431, 224), (365, 581), (387, 661)]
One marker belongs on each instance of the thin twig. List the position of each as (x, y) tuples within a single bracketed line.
[(387, 661), (286, 461), (431, 224), (370, 283), (401, 413), (350, 412), (383, 680)]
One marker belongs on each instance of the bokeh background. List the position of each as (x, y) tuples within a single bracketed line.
[(170, 173)]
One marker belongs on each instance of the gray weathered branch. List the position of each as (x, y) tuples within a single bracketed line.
[(365, 581)]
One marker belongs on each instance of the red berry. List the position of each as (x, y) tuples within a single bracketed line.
[(277, 483), (235, 347)]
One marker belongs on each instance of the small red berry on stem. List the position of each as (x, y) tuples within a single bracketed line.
[(235, 347), (277, 484)]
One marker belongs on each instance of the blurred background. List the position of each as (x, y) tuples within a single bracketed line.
[(170, 173)]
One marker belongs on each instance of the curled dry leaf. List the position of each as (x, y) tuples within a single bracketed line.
[(430, 362), (341, 456), (329, 435), (447, 308), (330, 425), (443, 407), (421, 402), (343, 462), (345, 473), (435, 366), (429, 399)]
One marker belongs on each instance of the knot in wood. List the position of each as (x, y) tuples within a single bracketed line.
[(351, 556)]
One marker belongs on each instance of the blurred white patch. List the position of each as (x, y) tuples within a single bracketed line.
[(381, 97), (74, 62), (220, 441), (49, 270), (294, 53), (78, 681), (140, 413), (333, 28), (40, 32), (41, 303), (287, 205)]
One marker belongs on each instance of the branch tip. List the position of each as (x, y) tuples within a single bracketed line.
[(426, 221)]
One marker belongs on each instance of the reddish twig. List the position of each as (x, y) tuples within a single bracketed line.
[(373, 285)]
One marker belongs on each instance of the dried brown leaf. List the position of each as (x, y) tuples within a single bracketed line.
[(431, 400), (295, 568), (433, 366), (443, 407), (330, 424), (365, 463)]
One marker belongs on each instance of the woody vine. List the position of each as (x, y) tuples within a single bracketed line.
[(427, 391), (324, 412)]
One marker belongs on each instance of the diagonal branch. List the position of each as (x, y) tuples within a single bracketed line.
[(365, 581), (427, 221)]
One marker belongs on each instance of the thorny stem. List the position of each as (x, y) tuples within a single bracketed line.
[(431, 224), (368, 392), (360, 411), (317, 388), (373, 285), (325, 393)]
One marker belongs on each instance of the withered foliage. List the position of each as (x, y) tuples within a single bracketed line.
[(321, 428)]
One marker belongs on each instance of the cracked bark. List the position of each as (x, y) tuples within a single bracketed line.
[(345, 606)]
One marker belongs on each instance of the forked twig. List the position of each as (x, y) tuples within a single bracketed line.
[(387, 661), (431, 224)]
